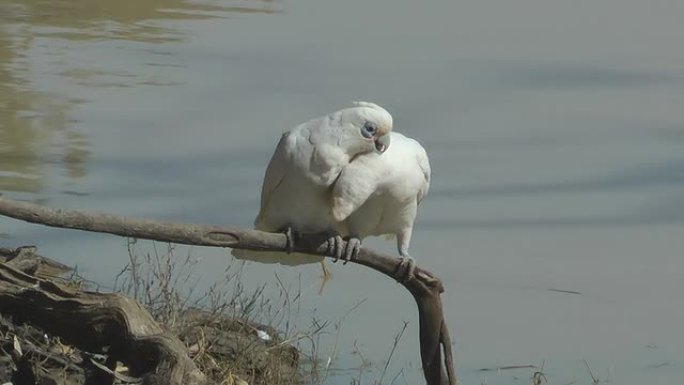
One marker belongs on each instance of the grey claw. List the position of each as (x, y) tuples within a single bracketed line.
[(352, 250), (406, 269), (335, 247), (331, 246)]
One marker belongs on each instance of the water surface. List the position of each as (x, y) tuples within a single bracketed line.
[(555, 132)]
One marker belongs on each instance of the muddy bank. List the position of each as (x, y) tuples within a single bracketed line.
[(53, 331)]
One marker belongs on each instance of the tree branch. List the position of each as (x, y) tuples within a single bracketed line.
[(425, 288)]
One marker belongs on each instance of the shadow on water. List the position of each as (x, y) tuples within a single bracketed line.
[(37, 130)]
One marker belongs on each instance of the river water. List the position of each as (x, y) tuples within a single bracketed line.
[(555, 132)]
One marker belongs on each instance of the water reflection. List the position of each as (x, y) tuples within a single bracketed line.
[(29, 122), (557, 155), (127, 19), (43, 82)]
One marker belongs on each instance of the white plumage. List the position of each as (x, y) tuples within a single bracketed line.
[(339, 173), (296, 192), (379, 194)]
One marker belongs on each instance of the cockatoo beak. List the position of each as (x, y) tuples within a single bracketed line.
[(382, 143)]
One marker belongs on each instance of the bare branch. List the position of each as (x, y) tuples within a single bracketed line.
[(425, 288)]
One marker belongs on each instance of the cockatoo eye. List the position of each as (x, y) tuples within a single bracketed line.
[(368, 130)]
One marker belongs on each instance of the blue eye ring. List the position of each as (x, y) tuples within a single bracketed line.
[(368, 130)]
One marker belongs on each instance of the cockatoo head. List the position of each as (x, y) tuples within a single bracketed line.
[(366, 128)]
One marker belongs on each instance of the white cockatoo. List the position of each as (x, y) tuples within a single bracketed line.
[(297, 187), (379, 194)]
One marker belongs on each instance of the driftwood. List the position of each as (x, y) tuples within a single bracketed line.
[(425, 287), (227, 349), (98, 323), (25, 259)]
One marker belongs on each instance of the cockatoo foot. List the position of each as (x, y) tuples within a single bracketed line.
[(352, 250), (348, 253), (406, 269)]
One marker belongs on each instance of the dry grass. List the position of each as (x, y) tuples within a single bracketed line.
[(221, 326)]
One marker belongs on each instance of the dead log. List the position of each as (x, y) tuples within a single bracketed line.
[(110, 324), (425, 288)]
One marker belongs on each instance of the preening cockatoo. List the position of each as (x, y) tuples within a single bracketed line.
[(379, 194), (297, 187)]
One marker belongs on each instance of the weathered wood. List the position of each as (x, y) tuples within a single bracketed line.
[(100, 323), (425, 288), (26, 259)]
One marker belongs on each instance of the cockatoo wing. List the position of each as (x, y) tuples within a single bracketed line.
[(275, 175), (281, 167), (302, 164)]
